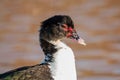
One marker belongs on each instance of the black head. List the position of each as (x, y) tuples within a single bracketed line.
[(58, 27)]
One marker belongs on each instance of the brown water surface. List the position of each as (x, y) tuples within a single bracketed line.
[(97, 21)]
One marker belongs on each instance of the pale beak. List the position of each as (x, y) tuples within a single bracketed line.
[(81, 41), (76, 37)]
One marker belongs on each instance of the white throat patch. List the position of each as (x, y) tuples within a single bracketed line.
[(63, 67)]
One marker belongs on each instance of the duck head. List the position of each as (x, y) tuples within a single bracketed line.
[(59, 27)]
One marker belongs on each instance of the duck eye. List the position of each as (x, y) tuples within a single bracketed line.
[(65, 27)]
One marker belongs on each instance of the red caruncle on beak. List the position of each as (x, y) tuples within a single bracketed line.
[(69, 30), (71, 33)]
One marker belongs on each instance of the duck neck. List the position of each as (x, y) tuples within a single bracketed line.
[(60, 59), (49, 48)]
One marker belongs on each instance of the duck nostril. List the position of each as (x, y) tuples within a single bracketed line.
[(75, 35)]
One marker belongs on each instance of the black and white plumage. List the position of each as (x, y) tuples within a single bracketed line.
[(59, 62)]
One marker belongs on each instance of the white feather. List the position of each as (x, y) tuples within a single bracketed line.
[(63, 67)]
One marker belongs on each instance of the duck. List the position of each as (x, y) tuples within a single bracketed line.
[(59, 60)]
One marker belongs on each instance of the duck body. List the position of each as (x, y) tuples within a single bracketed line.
[(58, 65), (59, 61), (36, 72)]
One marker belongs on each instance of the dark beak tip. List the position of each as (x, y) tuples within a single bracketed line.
[(76, 37)]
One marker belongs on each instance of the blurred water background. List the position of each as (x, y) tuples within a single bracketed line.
[(97, 21)]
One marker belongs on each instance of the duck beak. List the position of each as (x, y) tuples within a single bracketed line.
[(81, 41), (76, 37)]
